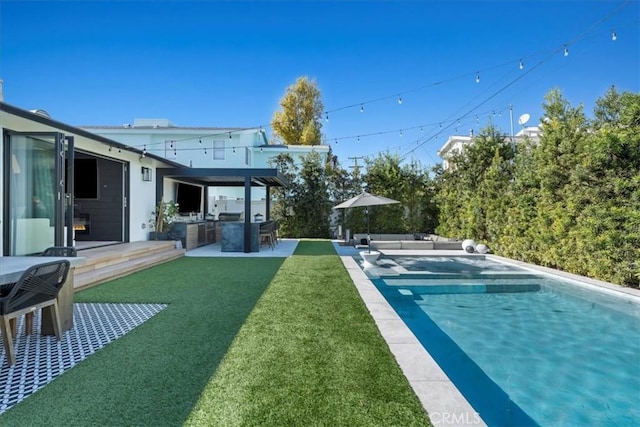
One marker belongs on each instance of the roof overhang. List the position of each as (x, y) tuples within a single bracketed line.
[(59, 126), (225, 177)]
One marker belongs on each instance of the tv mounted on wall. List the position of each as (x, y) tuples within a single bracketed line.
[(188, 198)]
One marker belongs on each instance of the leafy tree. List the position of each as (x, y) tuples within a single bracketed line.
[(303, 207), (300, 120), (283, 205), (312, 204), (385, 178)]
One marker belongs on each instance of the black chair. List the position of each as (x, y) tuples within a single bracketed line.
[(37, 288), (68, 251)]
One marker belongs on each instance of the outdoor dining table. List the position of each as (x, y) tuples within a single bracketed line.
[(12, 267)]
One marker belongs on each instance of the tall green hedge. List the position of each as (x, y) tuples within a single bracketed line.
[(571, 201)]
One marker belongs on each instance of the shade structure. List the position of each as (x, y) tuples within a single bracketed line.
[(365, 199)]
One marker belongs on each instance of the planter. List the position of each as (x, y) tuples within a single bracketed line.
[(370, 258), (158, 235)]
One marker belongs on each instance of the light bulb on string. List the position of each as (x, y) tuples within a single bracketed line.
[(566, 50), (358, 140), (234, 150), (400, 132), (421, 129), (521, 66), (205, 151), (175, 152), (109, 148), (361, 108), (200, 141), (614, 36), (477, 77), (336, 140), (399, 99), (171, 143), (229, 135), (327, 117)]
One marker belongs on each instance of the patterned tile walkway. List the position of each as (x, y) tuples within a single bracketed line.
[(40, 359)]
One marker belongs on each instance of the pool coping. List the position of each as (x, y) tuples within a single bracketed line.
[(444, 403)]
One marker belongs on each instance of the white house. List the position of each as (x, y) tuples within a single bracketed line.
[(208, 147), (61, 183), (456, 143)]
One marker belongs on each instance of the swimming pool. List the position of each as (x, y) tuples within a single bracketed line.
[(523, 348)]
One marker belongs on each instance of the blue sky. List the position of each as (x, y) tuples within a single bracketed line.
[(227, 64)]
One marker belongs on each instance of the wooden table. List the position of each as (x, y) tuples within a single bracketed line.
[(12, 267)]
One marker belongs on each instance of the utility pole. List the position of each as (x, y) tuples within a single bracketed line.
[(355, 161)]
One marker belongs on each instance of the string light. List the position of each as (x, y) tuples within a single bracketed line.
[(234, 150), (400, 132), (336, 140), (614, 36), (399, 99), (362, 108), (358, 139), (477, 77), (229, 135), (205, 151), (109, 148), (566, 50), (327, 116), (521, 66), (172, 144), (200, 142)]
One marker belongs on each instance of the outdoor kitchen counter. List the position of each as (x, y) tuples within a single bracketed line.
[(233, 236)]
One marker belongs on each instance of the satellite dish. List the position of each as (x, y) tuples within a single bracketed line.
[(523, 119)]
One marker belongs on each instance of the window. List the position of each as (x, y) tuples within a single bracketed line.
[(218, 149)]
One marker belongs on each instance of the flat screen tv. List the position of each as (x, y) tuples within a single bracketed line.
[(188, 197)]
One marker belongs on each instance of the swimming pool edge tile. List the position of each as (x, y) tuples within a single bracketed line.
[(440, 398)]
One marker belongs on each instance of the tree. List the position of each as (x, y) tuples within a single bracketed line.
[(300, 121), (283, 200)]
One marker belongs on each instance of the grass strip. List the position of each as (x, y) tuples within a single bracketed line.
[(154, 375), (309, 354)]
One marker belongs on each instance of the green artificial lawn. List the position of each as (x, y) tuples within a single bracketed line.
[(244, 341)]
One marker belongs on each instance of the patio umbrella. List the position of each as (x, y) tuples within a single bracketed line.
[(365, 199)]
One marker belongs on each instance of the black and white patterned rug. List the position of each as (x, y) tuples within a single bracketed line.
[(40, 359)]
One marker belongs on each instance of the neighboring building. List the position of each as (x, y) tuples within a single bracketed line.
[(456, 143), (207, 147)]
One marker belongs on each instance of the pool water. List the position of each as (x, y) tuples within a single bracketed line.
[(524, 349)]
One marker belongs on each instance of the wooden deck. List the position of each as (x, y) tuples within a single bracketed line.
[(110, 262)]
